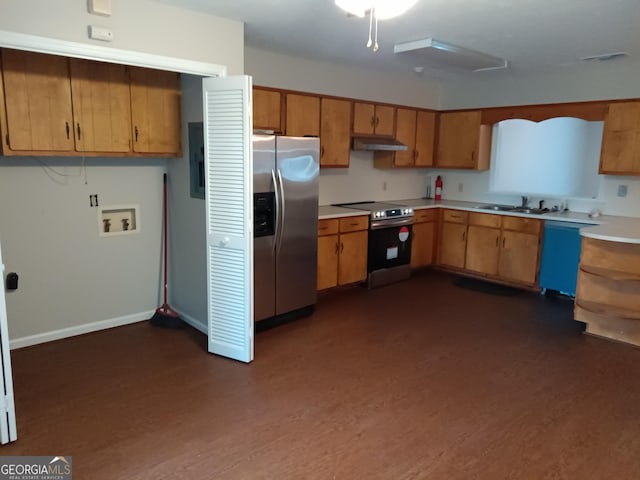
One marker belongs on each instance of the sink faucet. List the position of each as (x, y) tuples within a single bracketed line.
[(525, 201), (541, 204)]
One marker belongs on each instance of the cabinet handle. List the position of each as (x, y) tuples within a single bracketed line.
[(136, 132), (322, 151), (78, 130), (354, 224), (66, 126), (373, 122), (504, 240), (464, 235), (337, 248), (341, 247), (377, 121), (497, 238)]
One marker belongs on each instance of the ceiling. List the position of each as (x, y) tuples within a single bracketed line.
[(533, 35)]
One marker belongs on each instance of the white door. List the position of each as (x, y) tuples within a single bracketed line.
[(7, 406), (229, 200)]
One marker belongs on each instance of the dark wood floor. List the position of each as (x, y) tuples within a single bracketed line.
[(416, 380)]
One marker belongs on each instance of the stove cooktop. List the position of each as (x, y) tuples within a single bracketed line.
[(379, 210)]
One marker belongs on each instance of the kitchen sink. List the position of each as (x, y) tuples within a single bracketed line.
[(499, 208), (513, 208)]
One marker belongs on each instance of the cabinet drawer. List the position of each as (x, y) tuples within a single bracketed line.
[(521, 224), (352, 224), (327, 227), (455, 216), (485, 220), (615, 256), (425, 215)]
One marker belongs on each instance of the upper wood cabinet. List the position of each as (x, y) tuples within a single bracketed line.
[(37, 100), (55, 105), (620, 154), (425, 138), (267, 109), (463, 141), (373, 119), (303, 115), (101, 106), (335, 138), (415, 129), (155, 110)]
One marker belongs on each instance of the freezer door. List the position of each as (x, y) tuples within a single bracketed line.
[(264, 262), (297, 238)]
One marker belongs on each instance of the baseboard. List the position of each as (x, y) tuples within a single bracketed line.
[(79, 330), (197, 324)]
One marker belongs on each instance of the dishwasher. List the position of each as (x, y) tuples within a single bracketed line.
[(560, 257)]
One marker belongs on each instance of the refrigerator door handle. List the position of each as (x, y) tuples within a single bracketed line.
[(282, 213), (277, 212)]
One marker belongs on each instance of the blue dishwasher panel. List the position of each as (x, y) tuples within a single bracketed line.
[(560, 256)]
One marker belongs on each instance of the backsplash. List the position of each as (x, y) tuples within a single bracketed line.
[(363, 182)]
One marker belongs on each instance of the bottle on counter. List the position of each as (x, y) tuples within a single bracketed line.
[(438, 195)]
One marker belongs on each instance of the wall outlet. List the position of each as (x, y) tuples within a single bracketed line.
[(622, 190), (384, 186), (460, 187)]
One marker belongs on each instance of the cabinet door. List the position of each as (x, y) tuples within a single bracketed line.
[(101, 106), (303, 115), (335, 137), (327, 261), (519, 257), (425, 136), (406, 133), (267, 109), (155, 110), (364, 119), (38, 101), (422, 244), (353, 257), (385, 120), (453, 243), (458, 139), (621, 139), (483, 248)]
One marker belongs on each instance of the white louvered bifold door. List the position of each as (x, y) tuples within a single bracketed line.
[(229, 205), (7, 406)]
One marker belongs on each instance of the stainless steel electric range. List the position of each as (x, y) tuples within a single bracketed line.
[(390, 233)]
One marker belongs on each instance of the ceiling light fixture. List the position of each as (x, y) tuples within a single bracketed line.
[(436, 52), (377, 10)]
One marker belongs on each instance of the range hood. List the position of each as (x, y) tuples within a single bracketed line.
[(373, 144)]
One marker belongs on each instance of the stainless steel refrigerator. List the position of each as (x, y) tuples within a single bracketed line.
[(285, 182)]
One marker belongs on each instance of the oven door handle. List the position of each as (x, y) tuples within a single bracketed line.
[(388, 223)]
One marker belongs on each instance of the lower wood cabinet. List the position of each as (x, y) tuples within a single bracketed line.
[(500, 247), (342, 251), (453, 239), (608, 289), (424, 237)]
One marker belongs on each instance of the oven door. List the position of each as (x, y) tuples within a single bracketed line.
[(389, 243)]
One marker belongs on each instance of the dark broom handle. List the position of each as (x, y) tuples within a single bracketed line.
[(164, 208)]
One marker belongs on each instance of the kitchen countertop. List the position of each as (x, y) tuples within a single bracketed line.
[(604, 227), (329, 211)]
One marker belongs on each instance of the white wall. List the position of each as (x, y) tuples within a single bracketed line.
[(187, 242), (71, 280), (599, 81), (295, 73), (138, 25)]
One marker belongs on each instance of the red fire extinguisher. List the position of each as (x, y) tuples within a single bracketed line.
[(438, 188)]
